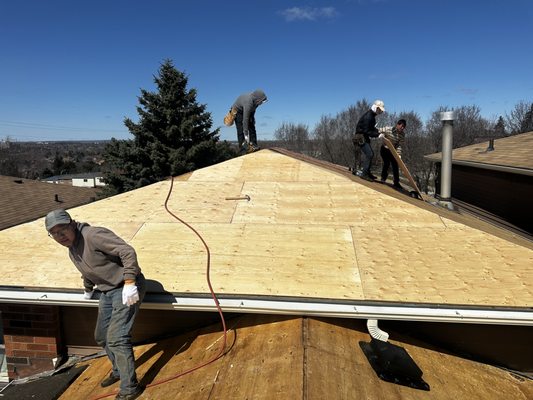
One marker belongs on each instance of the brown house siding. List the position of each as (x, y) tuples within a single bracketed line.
[(503, 194)]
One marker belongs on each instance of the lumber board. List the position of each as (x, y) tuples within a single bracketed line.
[(402, 166)]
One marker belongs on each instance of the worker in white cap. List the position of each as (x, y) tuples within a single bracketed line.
[(366, 128)]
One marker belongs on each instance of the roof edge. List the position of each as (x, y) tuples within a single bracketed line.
[(315, 308), (493, 167)]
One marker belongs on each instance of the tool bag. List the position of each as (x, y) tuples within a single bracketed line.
[(229, 119), (358, 139)]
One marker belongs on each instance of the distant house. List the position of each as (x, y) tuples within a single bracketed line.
[(88, 179), (495, 176), (25, 200)]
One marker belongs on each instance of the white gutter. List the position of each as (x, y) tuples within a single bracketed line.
[(313, 307)]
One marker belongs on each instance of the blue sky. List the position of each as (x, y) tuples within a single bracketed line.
[(73, 70)]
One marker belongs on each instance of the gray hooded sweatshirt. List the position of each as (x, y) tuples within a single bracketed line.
[(103, 258), (247, 103)]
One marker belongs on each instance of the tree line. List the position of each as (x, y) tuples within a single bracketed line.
[(174, 136), (331, 138)]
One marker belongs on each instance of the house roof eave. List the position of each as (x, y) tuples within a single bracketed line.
[(493, 167), (308, 307)]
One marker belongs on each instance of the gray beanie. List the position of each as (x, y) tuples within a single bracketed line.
[(56, 217)]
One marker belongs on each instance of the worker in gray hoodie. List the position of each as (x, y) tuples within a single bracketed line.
[(110, 264), (245, 105)]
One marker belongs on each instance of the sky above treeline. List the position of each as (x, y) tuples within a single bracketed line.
[(73, 70)]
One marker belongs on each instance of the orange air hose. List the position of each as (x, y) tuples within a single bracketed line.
[(213, 295)]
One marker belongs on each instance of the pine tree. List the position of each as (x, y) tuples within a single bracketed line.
[(499, 128), (173, 136)]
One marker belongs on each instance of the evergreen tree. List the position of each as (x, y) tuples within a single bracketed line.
[(173, 136), (499, 128)]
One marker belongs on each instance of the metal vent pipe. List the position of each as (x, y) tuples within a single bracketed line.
[(447, 118)]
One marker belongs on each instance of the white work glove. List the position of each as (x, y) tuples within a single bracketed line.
[(88, 295), (385, 129), (381, 136), (130, 294)]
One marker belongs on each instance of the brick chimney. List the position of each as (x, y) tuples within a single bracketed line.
[(32, 338)]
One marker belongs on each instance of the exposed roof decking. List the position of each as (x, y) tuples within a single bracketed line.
[(271, 357), (306, 232)]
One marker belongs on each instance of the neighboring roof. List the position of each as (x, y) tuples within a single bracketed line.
[(511, 154), (309, 234), (86, 175), (273, 357), (24, 200)]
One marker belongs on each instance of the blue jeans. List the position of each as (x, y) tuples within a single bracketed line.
[(113, 333), (368, 154)]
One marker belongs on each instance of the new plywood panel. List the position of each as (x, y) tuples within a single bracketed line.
[(252, 259), (306, 232), (39, 261), (193, 201), (457, 265), (326, 203)]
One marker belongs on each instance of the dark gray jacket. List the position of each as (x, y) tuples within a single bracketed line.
[(367, 125), (246, 104), (102, 257)]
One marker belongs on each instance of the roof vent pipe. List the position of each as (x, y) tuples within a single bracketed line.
[(445, 199), (491, 145)]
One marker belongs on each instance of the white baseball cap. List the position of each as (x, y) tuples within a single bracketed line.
[(380, 104)]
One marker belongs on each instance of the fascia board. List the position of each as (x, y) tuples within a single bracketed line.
[(310, 307)]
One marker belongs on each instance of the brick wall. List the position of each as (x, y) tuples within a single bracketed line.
[(32, 338)]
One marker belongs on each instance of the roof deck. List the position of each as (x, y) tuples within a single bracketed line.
[(292, 236)]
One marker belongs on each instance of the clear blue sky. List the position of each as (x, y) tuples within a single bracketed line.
[(72, 70)]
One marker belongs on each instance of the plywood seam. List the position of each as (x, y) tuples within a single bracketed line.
[(305, 336), (361, 280), (235, 205), (443, 222)]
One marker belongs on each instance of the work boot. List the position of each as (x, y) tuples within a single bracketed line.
[(138, 391), (109, 380), (252, 148), (367, 177), (397, 186)]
